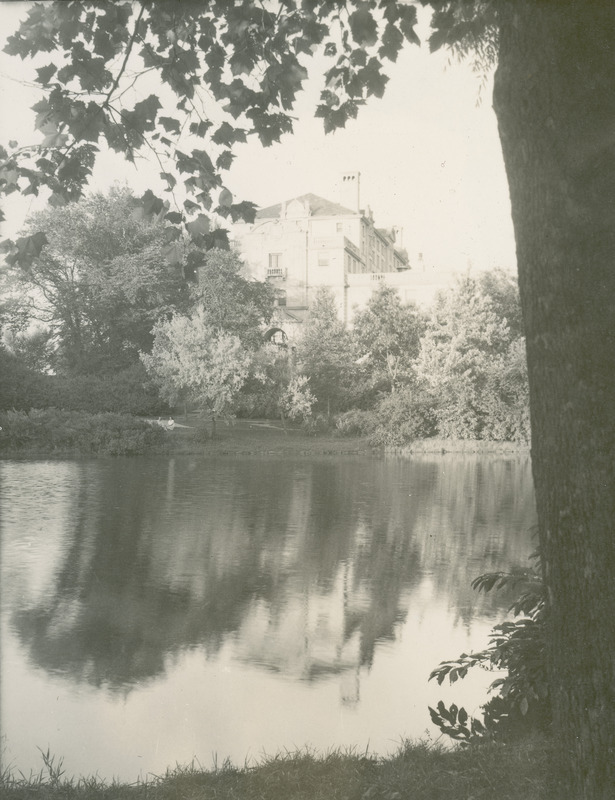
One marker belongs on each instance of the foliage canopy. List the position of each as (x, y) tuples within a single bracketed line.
[(225, 71), (100, 282)]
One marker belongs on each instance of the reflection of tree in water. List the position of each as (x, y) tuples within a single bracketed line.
[(309, 564), (110, 620)]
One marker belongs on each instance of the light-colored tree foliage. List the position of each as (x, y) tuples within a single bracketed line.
[(469, 360), (297, 401), (192, 362)]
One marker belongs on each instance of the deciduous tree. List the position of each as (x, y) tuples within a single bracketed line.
[(387, 333), (192, 362), (465, 359), (230, 299), (100, 282), (324, 353)]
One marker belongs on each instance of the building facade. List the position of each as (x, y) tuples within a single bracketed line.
[(309, 242)]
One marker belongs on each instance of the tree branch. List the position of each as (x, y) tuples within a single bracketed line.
[(129, 47)]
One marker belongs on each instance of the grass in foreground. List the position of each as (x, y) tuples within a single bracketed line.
[(417, 772)]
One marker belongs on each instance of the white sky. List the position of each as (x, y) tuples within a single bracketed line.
[(428, 154)]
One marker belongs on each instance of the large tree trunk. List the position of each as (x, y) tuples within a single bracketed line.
[(554, 97)]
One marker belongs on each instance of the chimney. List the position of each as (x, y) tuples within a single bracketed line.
[(350, 196)]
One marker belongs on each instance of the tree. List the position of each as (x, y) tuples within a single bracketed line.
[(231, 301), (502, 289), (192, 362), (388, 333), (100, 282), (34, 349), (555, 108), (324, 353), (469, 360)]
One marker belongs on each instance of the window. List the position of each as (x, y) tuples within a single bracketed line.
[(339, 227), (275, 269), (323, 259)]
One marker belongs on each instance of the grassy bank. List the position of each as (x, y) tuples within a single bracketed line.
[(483, 446), (60, 433), (268, 436), (416, 772), (254, 437)]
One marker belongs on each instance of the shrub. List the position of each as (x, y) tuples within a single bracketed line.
[(355, 423), (59, 431), (129, 391), (297, 400), (257, 404), (517, 646), (316, 424), (404, 416), (20, 387)]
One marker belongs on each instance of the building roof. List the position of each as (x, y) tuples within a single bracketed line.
[(319, 207)]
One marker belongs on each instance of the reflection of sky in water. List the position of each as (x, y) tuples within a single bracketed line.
[(155, 611)]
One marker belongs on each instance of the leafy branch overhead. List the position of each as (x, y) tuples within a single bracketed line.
[(182, 83)]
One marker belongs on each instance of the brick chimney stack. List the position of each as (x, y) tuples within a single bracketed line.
[(350, 192)]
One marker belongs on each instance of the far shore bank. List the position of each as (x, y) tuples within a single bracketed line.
[(258, 437), (270, 437)]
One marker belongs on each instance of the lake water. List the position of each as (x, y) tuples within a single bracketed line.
[(158, 611)]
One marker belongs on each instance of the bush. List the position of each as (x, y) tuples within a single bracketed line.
[(258, 404), (316, 425), (404, 416), (517, 646), (355, 423), (58, 431), (20, 387), (129, 391)]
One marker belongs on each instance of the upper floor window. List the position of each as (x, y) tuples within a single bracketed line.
[(323, 259), (275, 270)]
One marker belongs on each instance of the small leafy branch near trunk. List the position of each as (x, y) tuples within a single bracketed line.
[(517, 646)]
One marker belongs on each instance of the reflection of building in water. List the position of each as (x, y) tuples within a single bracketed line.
[(309, 634), (350, 686), (307, 567)]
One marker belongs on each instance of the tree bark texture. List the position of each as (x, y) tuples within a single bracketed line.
[(554, 96)]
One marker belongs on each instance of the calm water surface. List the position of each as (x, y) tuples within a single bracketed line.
[(155, 611)]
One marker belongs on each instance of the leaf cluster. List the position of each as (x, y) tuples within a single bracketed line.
[(224, 72), (517, 647)]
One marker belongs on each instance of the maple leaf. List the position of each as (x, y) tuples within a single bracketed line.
[(44, 74), (363, 26)]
